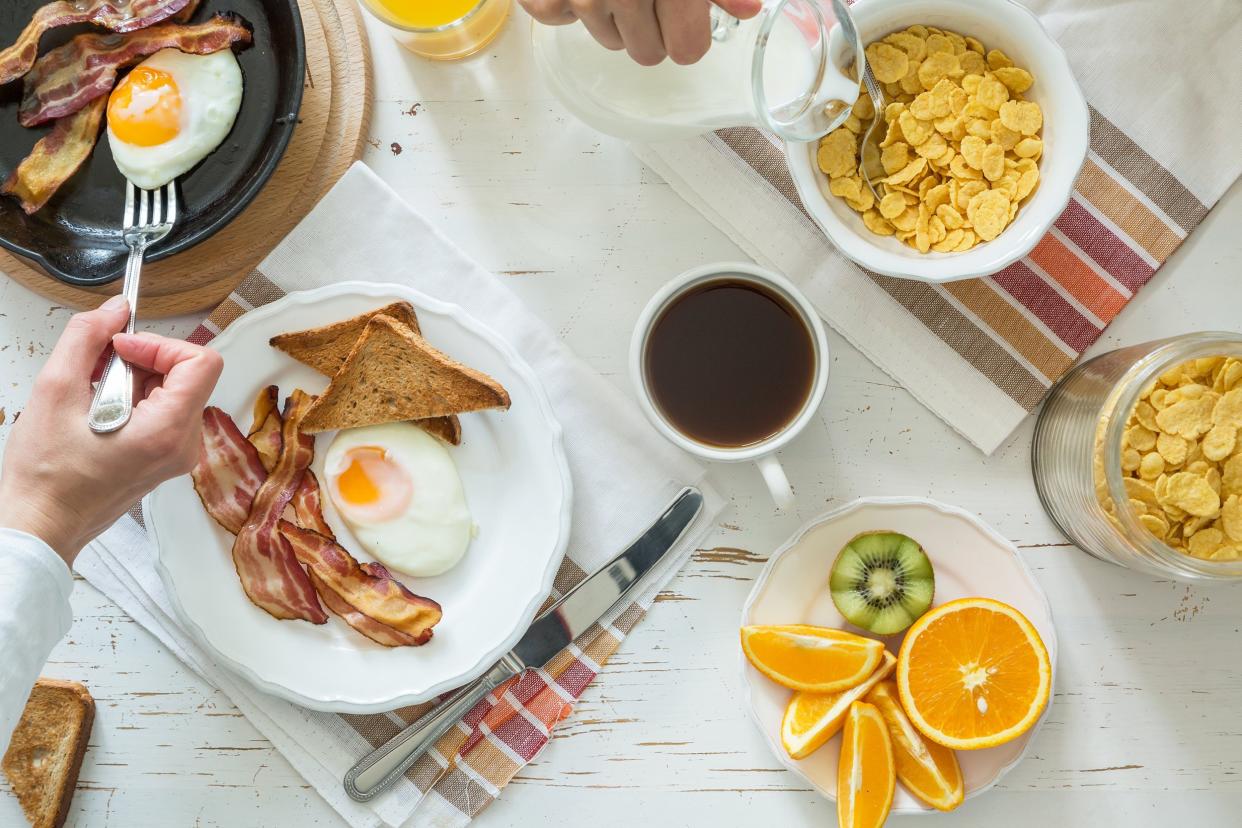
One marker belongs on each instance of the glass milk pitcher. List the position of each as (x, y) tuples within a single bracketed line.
[(778, 71)]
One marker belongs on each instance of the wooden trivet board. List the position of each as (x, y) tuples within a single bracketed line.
[(335, 116)]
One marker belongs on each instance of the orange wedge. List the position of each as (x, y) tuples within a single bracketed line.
[(814, 659), (866, 775), (813, 718), (926, 769), (973, 674)]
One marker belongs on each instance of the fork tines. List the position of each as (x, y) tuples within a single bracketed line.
[(145, 209)]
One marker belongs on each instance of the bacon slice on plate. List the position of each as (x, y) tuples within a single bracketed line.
[(308, 513), (229, 471), (308, 507), (372, 629), (117, 15), (230, 479), (269, 571), (70, 76), (56, 157), (369, 589), (264, 433)]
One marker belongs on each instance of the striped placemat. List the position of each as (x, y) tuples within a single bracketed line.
[(982, 353)]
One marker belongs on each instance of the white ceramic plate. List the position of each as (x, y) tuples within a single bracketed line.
[(517, 485), (970, 559)]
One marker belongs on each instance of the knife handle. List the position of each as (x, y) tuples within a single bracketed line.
[(378, 770)]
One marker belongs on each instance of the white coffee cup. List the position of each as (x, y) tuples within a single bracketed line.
[(762, 452)]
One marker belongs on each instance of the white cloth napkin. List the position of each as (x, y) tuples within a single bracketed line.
[(624, 473)]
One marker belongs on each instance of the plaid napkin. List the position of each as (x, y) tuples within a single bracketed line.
[(1164, 84), (624, 475)]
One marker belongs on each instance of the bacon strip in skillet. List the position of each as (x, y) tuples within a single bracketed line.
[(370, 589), (70, 76), (186, 13), (269, 571), (117, 15), (56, 157)]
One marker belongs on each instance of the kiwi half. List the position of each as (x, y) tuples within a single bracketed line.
[(882, 582)]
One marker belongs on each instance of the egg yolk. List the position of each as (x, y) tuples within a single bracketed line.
[(371, 486), (145, 110)]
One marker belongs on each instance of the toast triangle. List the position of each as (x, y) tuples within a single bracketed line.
[(393, 374), (326, 348)]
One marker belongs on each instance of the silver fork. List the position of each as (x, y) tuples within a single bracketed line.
[(149, 217)]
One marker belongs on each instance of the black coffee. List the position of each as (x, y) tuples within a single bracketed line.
[(729, 363)]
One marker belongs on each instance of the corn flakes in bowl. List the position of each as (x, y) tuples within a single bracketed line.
[(982, 137)]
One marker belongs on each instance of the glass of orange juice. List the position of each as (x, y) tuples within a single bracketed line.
[(442, 29)]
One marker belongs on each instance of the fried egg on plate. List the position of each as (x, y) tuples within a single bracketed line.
[(398, 490), (172, 111)]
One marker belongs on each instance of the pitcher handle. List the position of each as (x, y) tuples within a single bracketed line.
[(723, 24)]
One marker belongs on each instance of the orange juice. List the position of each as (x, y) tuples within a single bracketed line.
[(428, 14), (442, 29)]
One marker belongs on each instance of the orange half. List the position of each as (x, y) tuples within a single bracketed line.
[(926, 769), (866, 774), (814, 659), (811, 719), (973, 674)]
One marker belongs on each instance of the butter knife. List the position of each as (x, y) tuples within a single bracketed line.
[(615, 582)]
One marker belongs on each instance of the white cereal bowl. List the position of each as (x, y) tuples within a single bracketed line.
[(999, 24), (970, 559)]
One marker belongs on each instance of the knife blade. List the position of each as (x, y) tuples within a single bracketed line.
[(586, 603), (552, 631)]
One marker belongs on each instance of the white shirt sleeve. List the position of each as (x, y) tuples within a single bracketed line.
[(34, 615)]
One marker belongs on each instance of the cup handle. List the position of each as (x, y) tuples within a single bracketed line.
[(778, 483)]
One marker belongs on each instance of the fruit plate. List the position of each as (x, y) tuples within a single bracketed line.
[(970, 559), (518, 487)]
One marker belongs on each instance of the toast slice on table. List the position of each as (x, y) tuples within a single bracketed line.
[(326, 348), (393, 374), (45, 755)]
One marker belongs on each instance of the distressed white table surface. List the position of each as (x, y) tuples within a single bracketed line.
[(1146, 723)]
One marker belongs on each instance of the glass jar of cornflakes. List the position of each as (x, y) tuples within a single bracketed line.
[(1137, 496)]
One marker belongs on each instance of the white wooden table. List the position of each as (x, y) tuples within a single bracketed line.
[(1147, 720)]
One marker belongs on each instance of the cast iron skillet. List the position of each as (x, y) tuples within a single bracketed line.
[(76, 237)]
